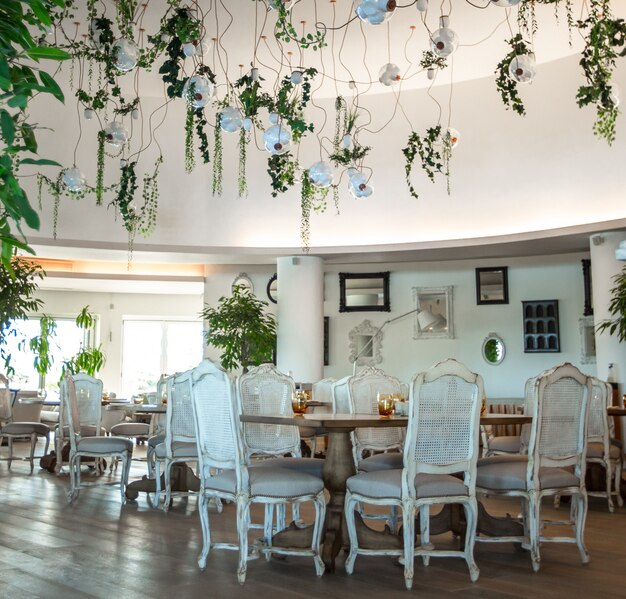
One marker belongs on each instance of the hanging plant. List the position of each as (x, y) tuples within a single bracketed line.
[(347, 151), (201, 123), (88, 359), (505, 84), (216, 186), (617, 309), (311, 198), (426, 148), (605, 41), (100, 168), (150, 196), (125, 195), (251, 97), (290, 105), (430, 60), (242, 182), (282, 171), (286, 32), (190, 159)]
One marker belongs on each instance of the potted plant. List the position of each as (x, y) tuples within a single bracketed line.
[(617, 309), (242, 328), (88, 359)]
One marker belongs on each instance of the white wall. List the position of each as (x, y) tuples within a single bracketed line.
[(548, 277), (112, 308)]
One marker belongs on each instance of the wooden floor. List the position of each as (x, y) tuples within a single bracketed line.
[(98, 548)]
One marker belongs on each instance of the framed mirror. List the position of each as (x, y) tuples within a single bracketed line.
[(272, 289), (364, 292), (243, 280), (365, 344), (587, 340), (493, 349), (492, 285), (433, 313)]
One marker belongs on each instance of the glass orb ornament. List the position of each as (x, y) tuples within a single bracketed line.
[(523, 68), (422, 5), (198, 90), (135, 114), (505, 3), (359, 187), (296, 77), (346, 141), (247, 124), (274, 117), (125, 55), (444, 41), (123, 162), (277, 139), (88, 112), (389, 74), (231, 119), (276, 4), (189, 49), (375, 12), (115, 134), (74, 179), (454, 136), (321, 174)]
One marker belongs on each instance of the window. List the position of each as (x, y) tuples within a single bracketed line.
[(65, 344), (153, 347)]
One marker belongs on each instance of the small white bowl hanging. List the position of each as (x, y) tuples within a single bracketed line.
[(125, 54), (74, 179), (115, 134), (346, 141), (296, 77), (135, 114), (189, 49), (277, 139), (523, 68), (88, 112), (198, 90), (231, 119), (444, 41), (358, 185), (422, 5), (375, 12), (505, 3), (455, 137), (321, 174), (389, 74)]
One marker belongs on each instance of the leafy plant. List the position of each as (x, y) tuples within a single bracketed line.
[(617, 309), (40, 346), (427, 149), (430, 60), (100, 168), (311, 198), (242, 182), (605, 41), (216, 185), (88, 359), (507, 86), (19, 81), (282, 171), (18, 285), (286, 32), (345, 124), (242, 328), (190, 159)]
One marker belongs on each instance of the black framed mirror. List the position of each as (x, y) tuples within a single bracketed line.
[(492, 285), (364, 292), (272, 289)]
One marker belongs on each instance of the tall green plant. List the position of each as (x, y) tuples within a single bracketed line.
[(40, 345), (617, 309), (88, 359), (242, 328), (19, 82)]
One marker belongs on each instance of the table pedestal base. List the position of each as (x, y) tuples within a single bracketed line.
[(182, 480)]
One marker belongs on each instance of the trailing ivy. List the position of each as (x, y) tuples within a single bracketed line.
[(282, 171), (286, 32), (507, 86), (201, 123), (426, 148), (190, 159), (150, 195), (605, 41), (125, 195), (100, 168), (242, 182), (311, 198), (290, 106), (216, 185)]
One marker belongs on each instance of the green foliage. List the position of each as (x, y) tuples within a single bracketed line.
[(190, 159), (242, 182), (605, 41), (345, 124), (426, 148), (507, 86), (100, 169), (282, 171), (18, 284), (216, 184), (311, 198), (241, 327), (125, 195), (19, 81), (286, 32), (88, 359), (430, 60), (40, 345), (290, 104), (617, 309)]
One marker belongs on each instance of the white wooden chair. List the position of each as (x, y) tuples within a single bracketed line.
[(555, 464), (600, 450), (89, 401), (11, 429), (157, 426), (95, 446), (341, 396), (439, 466), (320, 391), (225, 474)]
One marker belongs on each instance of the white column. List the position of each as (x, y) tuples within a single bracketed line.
[(604, 267), (300, 347)]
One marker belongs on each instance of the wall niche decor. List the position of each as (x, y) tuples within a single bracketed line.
[(541, 326)]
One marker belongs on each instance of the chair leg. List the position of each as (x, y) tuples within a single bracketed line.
[(349, 508), (425, 532), (150, 460), (243, 523), (33, 442), (320, 516), (618, 482), (471, 517), (74, 467), (609, 484), (157, 476), (10, 440), (45, 451), (126, 460), (408, 528), (534, 527), (203, 507), (581, 516), (168, 485), (58, 443)]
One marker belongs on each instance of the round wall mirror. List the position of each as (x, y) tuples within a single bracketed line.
[(493, 349), (272, 289)]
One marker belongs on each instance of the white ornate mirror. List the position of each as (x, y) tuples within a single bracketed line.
[(493, 349), (243, 280), (365, 344)]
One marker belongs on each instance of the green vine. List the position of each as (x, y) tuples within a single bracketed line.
[(290, 105), (242, 182), (190, 159), (201, 123), (100, 168), (430, 60), (216, 185), (282, 171), (311, 198), (605, 41), (345, 124), (433, 161), (286, 32), (125, 195), (507, 86)]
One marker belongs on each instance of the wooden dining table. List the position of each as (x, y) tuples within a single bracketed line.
[(339, 466)]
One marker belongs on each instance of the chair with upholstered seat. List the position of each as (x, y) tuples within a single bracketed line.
[(157, 425), (225, 474), (439, 466), (180, 435), (94, 446), (555, 464), (321, 391), (600, 449), (11, 429)]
